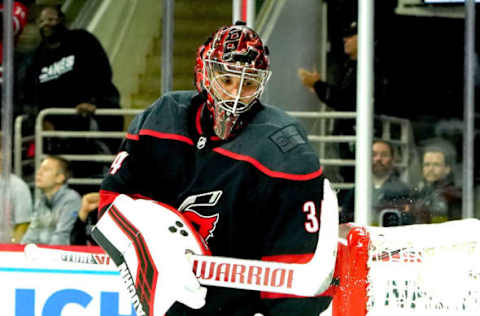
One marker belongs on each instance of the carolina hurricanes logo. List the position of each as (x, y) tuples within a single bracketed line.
[(204, 224)]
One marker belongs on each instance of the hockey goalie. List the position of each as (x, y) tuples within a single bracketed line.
[(218, 164)]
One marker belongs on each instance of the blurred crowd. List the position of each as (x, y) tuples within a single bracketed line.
[(418, 77), (66, 68)]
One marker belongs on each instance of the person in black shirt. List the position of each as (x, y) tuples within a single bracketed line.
[(436, 195), (70, 69)]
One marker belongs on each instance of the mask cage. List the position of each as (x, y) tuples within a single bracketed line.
[(252, 82)]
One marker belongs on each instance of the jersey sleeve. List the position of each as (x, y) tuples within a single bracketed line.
[(125, 170), (293, 221)]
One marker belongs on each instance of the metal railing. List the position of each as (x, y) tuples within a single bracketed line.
[(403, 140), (20, 144), (40, 134), (404, 144)]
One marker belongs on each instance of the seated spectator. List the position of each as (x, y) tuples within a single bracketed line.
[(341, 96), (388, 193), (55, 211), (86, 219), (70, 69), (20, 202), (436, 194)]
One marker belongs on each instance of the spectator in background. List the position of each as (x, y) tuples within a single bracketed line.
[(20, 201), (55, 211), (342, 96), (437, 193), (388, 193), (70, 69), (86, 219)]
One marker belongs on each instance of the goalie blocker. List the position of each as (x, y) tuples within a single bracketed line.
[(168, 261)]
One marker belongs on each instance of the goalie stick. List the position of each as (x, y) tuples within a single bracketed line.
[(307, 279)]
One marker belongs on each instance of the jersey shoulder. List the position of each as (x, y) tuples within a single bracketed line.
[(278, 142), (168, 114)]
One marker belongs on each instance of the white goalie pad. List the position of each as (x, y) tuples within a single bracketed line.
[(148, 242)]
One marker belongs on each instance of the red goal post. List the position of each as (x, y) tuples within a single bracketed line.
[(421, 270)]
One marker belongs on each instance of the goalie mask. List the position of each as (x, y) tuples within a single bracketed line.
[(232, 68)]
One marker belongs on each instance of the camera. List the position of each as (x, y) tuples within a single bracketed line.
[(395, 217)]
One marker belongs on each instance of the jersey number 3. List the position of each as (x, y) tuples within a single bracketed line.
[(311, 223)]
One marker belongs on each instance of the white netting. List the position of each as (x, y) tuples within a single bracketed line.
[(425, 269)]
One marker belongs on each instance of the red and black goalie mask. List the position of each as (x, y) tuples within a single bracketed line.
[(233, 68)]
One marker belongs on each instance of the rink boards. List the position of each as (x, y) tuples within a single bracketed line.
[(75, 285)]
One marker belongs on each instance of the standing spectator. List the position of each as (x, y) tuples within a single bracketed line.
[(388, 193), (436, 194), (242, 172), (70, 69), (55, 211), (342, 96), (20, 200), (86, 219)]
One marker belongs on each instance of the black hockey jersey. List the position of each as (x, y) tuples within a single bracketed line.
[(256, 196)]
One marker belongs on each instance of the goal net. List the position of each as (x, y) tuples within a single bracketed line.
[(426, 270)]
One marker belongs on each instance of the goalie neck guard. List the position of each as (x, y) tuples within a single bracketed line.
[(232, 69)]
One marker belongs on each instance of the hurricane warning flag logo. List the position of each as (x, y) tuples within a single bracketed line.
[(204, 224)]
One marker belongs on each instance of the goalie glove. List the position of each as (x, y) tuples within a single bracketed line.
[(150, 243)]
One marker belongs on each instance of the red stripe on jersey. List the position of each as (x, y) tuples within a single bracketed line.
[(298, 258), (198, 124), (267, 171), (132, 137), (156, 134), (198, 120), (106, 198)]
